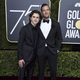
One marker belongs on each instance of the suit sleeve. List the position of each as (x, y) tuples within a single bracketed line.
[(58, 37), (20, 43)]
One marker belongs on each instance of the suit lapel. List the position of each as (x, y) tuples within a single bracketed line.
[(50, 29), (41, 32), (30, 31)]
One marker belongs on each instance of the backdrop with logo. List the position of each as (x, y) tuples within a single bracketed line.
[(17, 12), (69, 18)]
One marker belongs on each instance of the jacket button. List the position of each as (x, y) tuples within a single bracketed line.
[(46, 45)]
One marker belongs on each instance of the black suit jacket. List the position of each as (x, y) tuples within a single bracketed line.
[(26, 43), (53, 40)]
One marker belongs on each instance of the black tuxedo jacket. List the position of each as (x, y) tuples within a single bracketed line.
[(53, 40), (25, 43)]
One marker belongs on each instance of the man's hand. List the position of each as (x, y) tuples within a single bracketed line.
[(21, 63)]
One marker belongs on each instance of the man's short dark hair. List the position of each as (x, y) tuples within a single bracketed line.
[(44, 5), (34, 11)]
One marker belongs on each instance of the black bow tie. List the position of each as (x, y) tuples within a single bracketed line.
[(45, 21)]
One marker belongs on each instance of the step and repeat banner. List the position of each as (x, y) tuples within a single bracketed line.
[(69, 18), (17, 12)]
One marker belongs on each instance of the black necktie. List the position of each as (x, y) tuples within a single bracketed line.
[(45, 21)]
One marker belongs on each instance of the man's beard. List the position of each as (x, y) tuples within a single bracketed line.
[(46, 17)]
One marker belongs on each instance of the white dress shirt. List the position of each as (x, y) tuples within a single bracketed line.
[(45, 28)]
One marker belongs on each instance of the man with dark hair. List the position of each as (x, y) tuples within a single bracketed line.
[(27, 45), (49, 43)]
